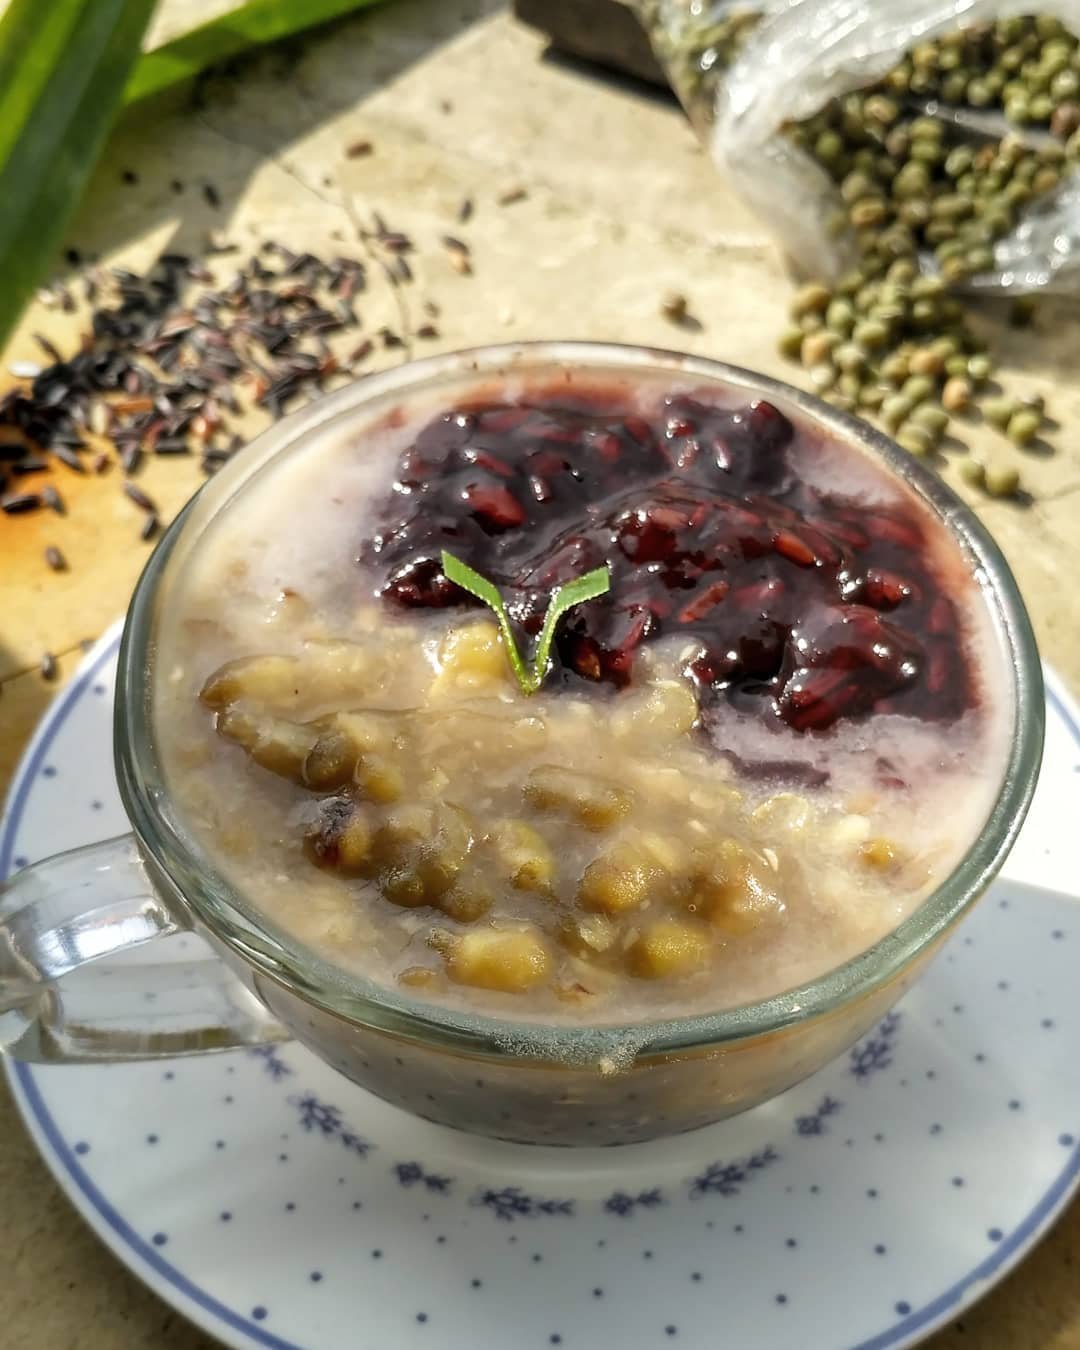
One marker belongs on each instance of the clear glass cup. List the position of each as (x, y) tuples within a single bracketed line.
[(554, 1084)]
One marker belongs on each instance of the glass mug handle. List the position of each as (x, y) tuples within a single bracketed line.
[(62, 1001)]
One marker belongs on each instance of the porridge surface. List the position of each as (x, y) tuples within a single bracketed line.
[(699, 808)]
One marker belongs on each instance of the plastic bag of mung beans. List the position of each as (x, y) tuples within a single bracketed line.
[(947, 131), (696, 41)]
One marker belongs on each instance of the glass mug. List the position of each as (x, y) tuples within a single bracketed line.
[(538, 1083)]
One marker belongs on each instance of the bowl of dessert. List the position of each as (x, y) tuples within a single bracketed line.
[(575, 743)]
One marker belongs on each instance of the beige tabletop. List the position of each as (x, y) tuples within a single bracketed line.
[(619, 204)]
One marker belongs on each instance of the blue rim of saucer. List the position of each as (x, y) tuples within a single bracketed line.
[(910, 1329)]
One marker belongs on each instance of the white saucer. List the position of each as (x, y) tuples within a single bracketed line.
[(275, 1204)]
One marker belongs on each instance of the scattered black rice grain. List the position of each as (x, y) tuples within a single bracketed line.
[(130, 177), (56, 559), (177, 186), (73, 256), (513, 194), (358, 149), (211, 195), (458, 252), (30, 464), (172, 445), (46, 346), (390, 338), (674, 306), (218, 455), (139, 497), (67, 456), (151, 525), (361, 352), (52, 499), (427, 330), (465, 210), (279, 393), (401, 268), (17, 502), (48, 666)]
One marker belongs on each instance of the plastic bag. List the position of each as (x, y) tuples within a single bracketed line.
[(813, 51), (696, 41)]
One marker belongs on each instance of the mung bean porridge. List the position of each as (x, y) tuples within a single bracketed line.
[(781, 727)]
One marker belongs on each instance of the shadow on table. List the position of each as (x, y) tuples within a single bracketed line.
[(24, 699), (192, 151), (1045, 347)]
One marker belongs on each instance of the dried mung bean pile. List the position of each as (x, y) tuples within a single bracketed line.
[(1024, 65), (916, 184), (923, 203)]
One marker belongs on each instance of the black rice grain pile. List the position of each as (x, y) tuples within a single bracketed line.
[(173, 357)]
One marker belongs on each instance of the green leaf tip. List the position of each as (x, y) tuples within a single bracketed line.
[(563, 598)]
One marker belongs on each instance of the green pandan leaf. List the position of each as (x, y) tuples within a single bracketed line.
[(63, 64), (563, 598), (251, 25)]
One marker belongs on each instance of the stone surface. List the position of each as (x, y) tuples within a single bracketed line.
[(622, 205)]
